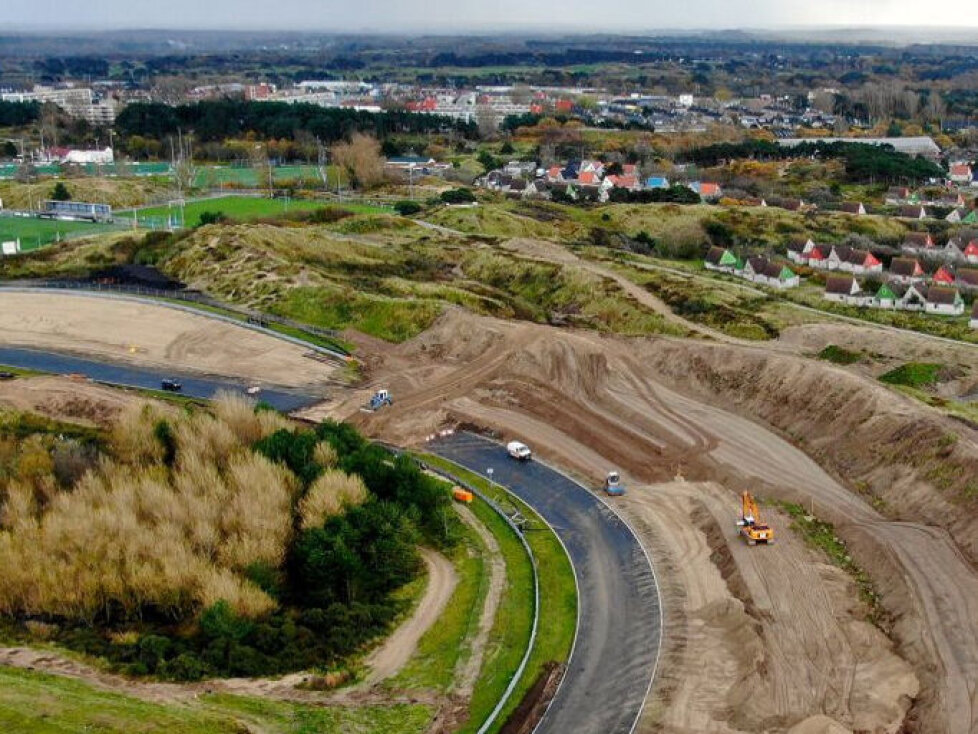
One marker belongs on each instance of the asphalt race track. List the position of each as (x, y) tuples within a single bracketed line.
[(618, 636), (283, 399)]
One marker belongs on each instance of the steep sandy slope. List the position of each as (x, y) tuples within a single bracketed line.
[(658, 407)]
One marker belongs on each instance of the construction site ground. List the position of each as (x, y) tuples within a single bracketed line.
[(756, 639)]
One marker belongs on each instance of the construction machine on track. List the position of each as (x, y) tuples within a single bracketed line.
[(752, 528)]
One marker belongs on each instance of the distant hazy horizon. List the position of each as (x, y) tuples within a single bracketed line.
[(470, 16)]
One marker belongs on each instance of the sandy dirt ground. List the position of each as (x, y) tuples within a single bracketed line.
[(143, 334), (391, 656), (789, 627), (68, 399)]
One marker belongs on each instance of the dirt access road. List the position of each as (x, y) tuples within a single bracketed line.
[(153, 336), (593, 402)]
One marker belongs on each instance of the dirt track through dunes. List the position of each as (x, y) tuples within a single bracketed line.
[(649, 407), (148, 335), (391, 656)]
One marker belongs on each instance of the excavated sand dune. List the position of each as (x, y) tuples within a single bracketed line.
[(759, 639)]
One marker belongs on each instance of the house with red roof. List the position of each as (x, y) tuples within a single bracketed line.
[(943, 275), (971, 251), (961, 173)]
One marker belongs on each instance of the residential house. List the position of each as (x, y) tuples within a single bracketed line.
[(794, 205), (555, 173), (918, 242), (960, 173), (707, 190), (719, 258), (765, 272), (657, 182), (953, 249), (971, 218), (889, 295), (974, 316), (860, 262), (956, 215), (913, 298), (943, 276), (967, 279), (520, 169), (906, 270), (970, 252), (912, 211), (897, 195), (853, 207), (818, 257), (623, 182), (951, 200), (751, 201), (844, 289), (799, 249), (944, 301)]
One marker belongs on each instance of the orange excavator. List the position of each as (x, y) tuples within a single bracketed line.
[(752, 529)]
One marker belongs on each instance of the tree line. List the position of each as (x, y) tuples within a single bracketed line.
[(212, 121), (16, 114), (864, 163)]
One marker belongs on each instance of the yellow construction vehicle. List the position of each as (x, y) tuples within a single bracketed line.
[(752, 529)]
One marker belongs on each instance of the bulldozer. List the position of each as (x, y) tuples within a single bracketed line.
[(752, 528), (378, 401)]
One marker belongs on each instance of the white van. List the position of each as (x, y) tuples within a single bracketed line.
[(519, 451)]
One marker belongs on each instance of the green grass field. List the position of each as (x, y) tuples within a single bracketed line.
[(246, 176), (240, 208), (34, 233), (37, 703)]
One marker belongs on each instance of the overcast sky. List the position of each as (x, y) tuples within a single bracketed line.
[(469, 15)]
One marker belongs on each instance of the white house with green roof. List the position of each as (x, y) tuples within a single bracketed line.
[(721, 259)]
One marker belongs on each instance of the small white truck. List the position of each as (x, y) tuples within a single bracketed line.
[(519, 451)]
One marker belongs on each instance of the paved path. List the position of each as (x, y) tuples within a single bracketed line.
[(614, 657)]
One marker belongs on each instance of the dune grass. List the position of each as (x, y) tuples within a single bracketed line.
[(38, 703)]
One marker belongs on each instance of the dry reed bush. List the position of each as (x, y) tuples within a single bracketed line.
[(132, 534), (238, 412), (328, 495), (132, 437), (325, 455)]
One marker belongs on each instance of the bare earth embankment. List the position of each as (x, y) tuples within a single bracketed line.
[(149, 335), (761, 638)]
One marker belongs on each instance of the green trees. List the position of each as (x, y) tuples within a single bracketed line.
[(60, 192), (407, 208), (457, 196)]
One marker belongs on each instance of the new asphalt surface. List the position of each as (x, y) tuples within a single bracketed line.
[(194, 386), (619, 627)]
